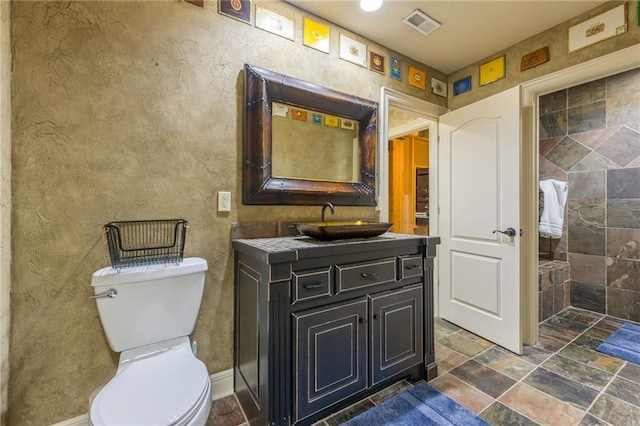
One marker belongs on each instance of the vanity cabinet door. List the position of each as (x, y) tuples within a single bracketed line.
[(396, 332), (330, 355)]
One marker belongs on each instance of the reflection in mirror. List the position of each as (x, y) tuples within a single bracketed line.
[(327, 145), (287, 169)]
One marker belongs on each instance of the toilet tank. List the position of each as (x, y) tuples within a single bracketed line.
[(153, 303)]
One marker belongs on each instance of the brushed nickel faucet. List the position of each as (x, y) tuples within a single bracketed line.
[(324, 207)]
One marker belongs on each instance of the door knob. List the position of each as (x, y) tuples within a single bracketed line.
[(510, 232)]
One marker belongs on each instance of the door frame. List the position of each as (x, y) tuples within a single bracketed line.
[(389, 99), (392, 99), (594, 69)]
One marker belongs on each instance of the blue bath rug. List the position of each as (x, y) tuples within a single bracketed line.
[(624, 343), (419, 405)]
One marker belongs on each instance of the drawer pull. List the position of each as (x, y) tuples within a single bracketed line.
[(310, 286), (371, 275), (411, 267)]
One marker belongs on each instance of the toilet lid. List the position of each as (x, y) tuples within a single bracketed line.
[(158, 390)]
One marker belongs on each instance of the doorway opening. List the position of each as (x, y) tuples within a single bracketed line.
[(404, 118), (408, 173), (595, 69), (424, 120)]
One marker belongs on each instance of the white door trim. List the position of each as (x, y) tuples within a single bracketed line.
[(603, 66), (392, 98), (429, 113)]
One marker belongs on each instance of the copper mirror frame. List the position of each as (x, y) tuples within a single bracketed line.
[(263, 87)]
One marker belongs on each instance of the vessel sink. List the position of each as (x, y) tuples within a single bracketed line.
[(343, 230)]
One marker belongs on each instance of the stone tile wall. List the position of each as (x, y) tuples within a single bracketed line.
[(590, 137)]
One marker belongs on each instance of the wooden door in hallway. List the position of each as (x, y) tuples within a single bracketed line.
[(409, 184)]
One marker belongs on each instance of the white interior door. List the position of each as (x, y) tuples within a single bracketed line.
[(479, 287)]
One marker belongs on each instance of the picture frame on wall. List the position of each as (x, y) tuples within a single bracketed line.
[(439, 87), (606, 25), (274, 23), (347, 124), (462, 85), (315, 35), (417, 78), (331, 121), (395, 67), (535, 58), (492, 71), (353, 51), (298, 114), (236, 9), (376, 62)]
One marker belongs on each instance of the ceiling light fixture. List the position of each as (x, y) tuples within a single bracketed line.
[(370, 5)]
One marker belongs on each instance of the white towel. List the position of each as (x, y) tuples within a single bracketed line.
[(555, 197)]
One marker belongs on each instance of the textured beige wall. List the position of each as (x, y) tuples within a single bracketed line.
[(129, 110), (5, 201), (126, 110), (558, 41)]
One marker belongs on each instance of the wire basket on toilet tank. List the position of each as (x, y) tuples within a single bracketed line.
[(145, 242)]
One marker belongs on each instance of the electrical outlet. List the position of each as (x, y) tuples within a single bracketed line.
[(224, 201)]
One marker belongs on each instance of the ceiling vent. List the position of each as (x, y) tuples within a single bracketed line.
[(421, 22)]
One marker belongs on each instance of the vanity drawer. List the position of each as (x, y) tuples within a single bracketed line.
[(355, 276), (409, 266), (309, 285)]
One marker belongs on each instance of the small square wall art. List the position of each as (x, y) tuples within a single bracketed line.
[(492, 71), (316, 35), (376, 62), (417, 78), (396, 68), (331, 121), (462, 85), (298, 114), (274, 23), (353, 51), (438, 87), (237, 9)]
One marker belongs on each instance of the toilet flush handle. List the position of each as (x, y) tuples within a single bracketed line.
[(111, 293)]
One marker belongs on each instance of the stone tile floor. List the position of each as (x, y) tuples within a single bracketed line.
[(560, 381)]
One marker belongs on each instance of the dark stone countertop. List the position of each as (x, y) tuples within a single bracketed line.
[(282, 249)]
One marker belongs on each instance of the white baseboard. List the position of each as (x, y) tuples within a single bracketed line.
[(221, 386), (82, 420)]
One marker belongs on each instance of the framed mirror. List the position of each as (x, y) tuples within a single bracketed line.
[(306, 144)]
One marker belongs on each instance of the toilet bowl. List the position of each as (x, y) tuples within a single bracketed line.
[(147, 315), (164, 386)]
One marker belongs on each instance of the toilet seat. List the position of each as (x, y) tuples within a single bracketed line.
[(165, 388)]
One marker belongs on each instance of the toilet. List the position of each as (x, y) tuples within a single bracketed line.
[(148, 313)]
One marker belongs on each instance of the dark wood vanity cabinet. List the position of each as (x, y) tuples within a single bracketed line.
[(319, 325)]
